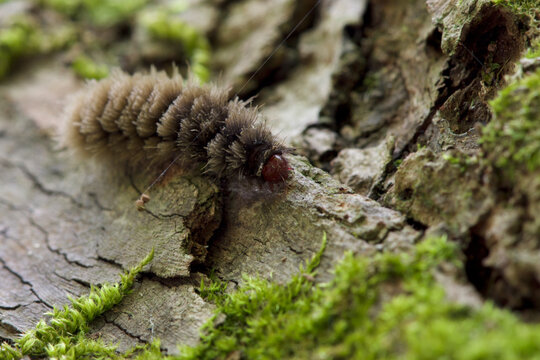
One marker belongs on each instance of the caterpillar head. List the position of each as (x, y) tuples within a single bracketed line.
[(276, 169)]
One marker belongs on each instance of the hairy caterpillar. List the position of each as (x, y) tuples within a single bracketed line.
[(159, 118)]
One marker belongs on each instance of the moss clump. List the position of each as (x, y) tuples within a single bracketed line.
[(353, 317), (512, 139), (384, 307), (162, 26), (54, 24), (534, 51), (213, 291), (97, 12), (23, 37), (64, 335), (89, 69), (348, 318)]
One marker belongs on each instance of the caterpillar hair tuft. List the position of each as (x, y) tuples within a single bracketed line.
[(158, 118)]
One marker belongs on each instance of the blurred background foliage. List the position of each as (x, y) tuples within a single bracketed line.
[(95, 36)]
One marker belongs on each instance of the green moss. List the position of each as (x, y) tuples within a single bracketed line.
[(88, 69), (387, 306), (534, 51), (63, 335), (519, 6), (340, 320), (258, 308), (162, 25), (462, 161), (97, 12), (24, 37), (352, 317), (214, 291), (512, 139), (87, 20)]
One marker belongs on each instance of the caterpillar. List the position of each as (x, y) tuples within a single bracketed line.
[(159, 118)]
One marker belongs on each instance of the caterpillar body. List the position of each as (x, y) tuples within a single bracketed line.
[(159, 118)]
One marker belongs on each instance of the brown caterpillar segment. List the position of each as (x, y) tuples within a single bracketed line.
[(156, 118)]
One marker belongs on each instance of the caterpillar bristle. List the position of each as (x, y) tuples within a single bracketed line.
[(155, 119)]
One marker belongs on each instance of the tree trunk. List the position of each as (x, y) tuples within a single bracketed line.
[(357, 88)]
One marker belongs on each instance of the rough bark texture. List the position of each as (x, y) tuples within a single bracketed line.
[(67, 225), (355, 88)]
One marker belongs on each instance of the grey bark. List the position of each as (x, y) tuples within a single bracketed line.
[(66, 225)]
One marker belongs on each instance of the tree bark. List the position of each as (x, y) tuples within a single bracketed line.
[(370, 84)]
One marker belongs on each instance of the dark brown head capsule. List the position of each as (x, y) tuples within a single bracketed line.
[(276, 169)]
